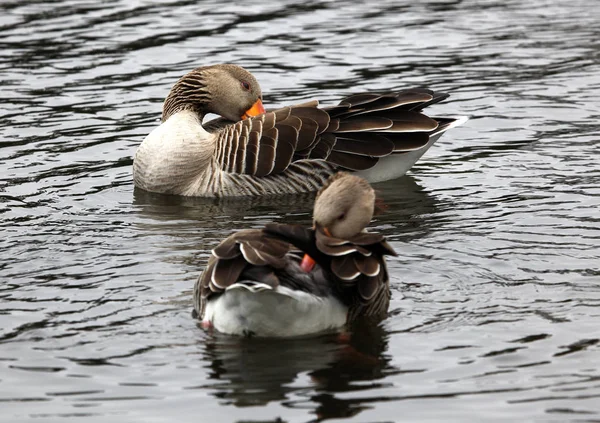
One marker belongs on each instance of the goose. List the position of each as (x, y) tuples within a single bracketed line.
[(288, 280), (251, 151)]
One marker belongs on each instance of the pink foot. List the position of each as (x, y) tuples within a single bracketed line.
[(343, 338), (206, 324)]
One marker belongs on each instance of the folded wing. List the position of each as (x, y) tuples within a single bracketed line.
[(352, 135)]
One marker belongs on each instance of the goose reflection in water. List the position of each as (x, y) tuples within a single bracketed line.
[(408, 206), (255, 371)]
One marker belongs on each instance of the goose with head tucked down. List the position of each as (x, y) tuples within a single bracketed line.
[(250, 151), (288, 280)]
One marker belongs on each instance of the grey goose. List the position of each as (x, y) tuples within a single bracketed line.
[(250, 151), (288, 280)]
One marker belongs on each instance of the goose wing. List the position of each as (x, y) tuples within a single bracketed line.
[(245, 250), (357, 265), (352, 135)]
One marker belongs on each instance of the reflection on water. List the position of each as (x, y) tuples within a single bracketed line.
[(253, 372), (495, 290), (405, 205)]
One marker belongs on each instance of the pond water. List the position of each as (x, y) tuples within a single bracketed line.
[(496, 291)]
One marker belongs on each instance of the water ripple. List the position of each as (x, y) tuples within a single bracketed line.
[(495, 290)]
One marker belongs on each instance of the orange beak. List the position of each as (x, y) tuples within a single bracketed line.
[(307, 263), (256, 109)]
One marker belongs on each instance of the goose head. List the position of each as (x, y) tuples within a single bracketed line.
[(229, 91), (344, 206)]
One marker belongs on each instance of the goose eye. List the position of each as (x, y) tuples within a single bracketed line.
[(341, 216), (246, 85)]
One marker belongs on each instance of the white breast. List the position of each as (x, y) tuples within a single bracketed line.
[(173, 155)]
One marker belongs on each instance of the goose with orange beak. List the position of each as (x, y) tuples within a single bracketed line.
[(250, 151), (288, 280)]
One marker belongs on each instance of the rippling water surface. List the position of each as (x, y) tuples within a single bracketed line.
[(496, 290)]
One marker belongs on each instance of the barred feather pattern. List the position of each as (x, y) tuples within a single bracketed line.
[(188, 93), (377, 307), (301, 176), (266, 253), (232, 257), (352, 135)]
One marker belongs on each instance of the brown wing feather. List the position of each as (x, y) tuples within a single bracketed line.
[(323, 148), (253, 253), (408, 141), (344, 268), (352, 161), (307, 133), (352, 135), (368, 287), (226, 273)]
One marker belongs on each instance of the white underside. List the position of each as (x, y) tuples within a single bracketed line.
[(280, 312), (173, 156), (396, 165)]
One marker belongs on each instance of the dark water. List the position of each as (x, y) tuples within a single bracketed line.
[(496, 292)]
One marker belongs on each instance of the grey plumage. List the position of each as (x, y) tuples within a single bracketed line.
[(288, 150)]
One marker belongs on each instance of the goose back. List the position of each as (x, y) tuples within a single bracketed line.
[(353, 270)]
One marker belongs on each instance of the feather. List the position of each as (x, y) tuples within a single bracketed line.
[(268, 245), (367, 265), (367, 238), (339, 250), (266, 158), (266, 154), (239, 162), (283, 155), (227, 249), (226, 272), (323, 147), (251, 157), (231, 155), (251, 255), (325, 239), (256, 123), (282, 114), (368, 287), (306, 134), (334, 125), (359, 99), (336, 110), (310, 103), (288, 132), (259, 278), (352, 161), (320, 117), (366, 123), (269, 121), (408, 141), (437, 97), (372, 145), (392, 101), (409, 121), (344, 268), (387, 249)]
